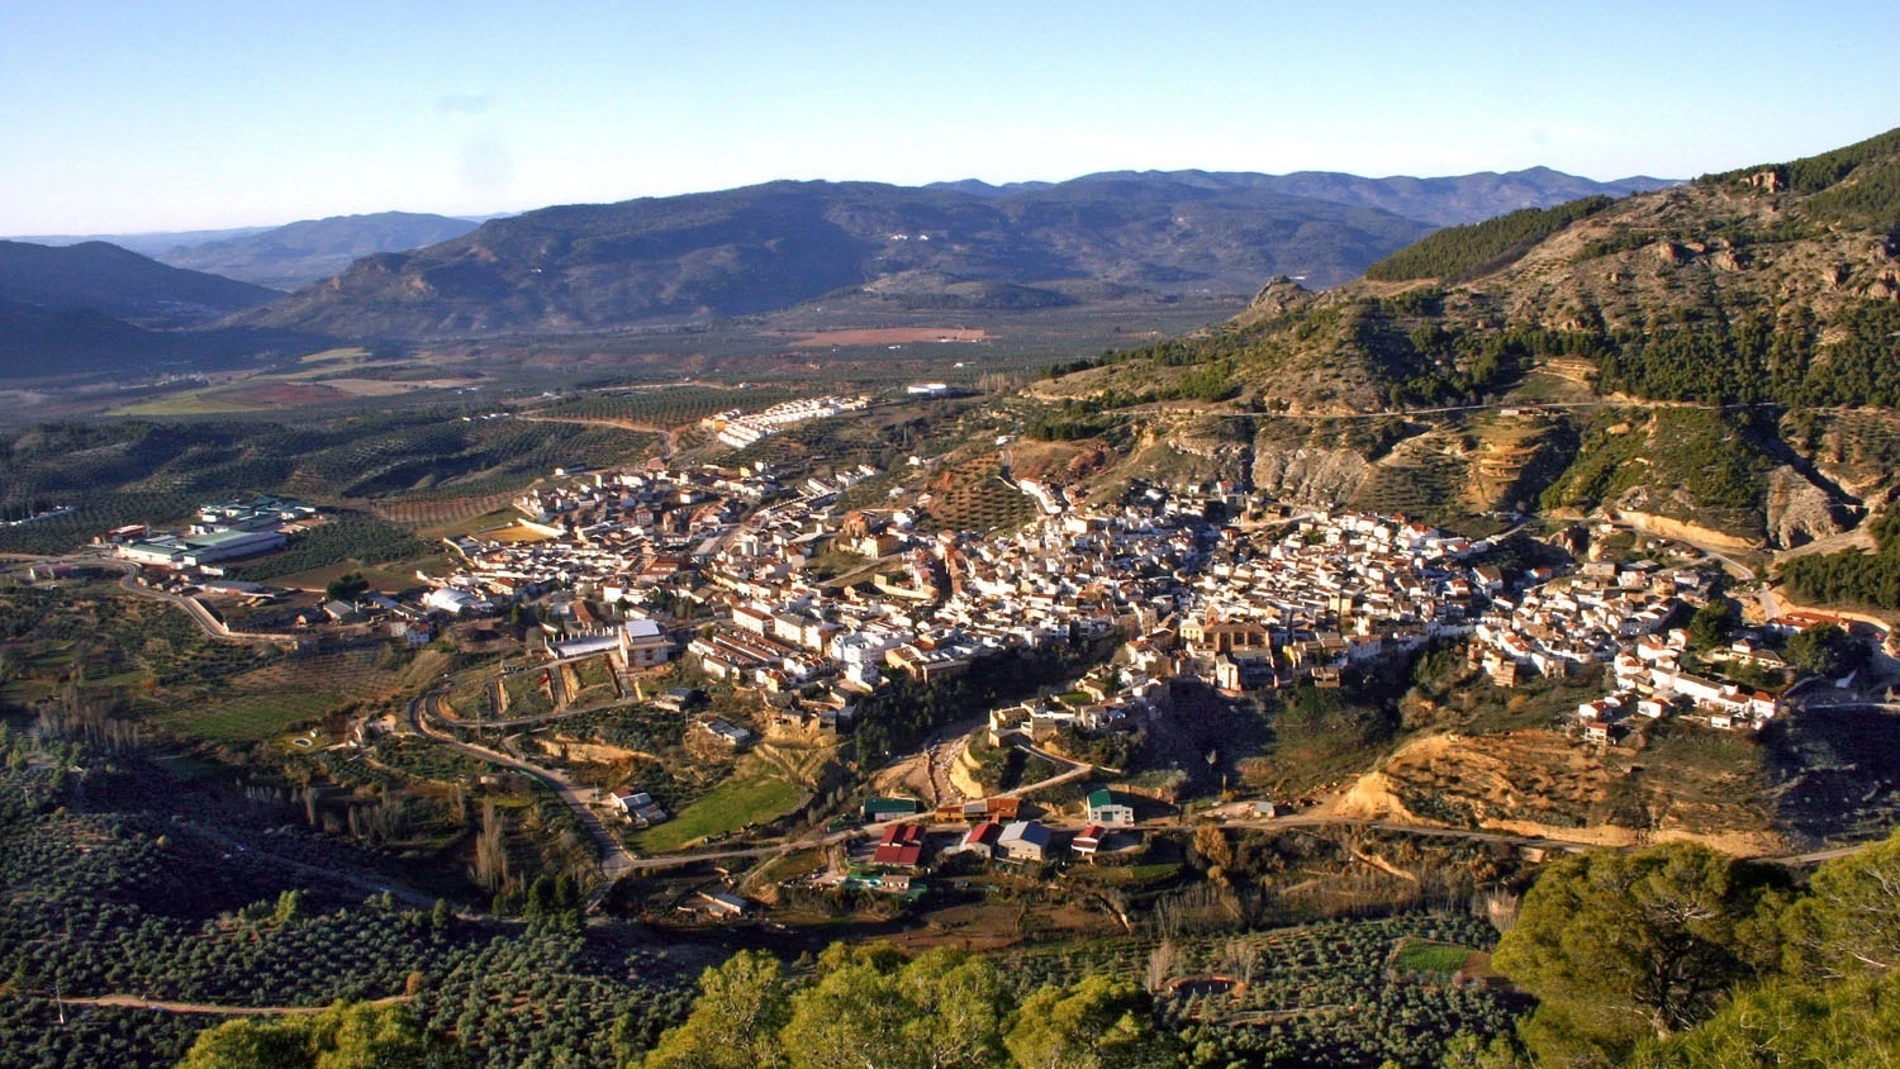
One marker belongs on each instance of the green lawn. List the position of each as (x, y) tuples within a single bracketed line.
[(1417, 956), (753, 794), (526, 695)]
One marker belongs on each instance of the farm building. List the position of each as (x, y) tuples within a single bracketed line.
[(1024, 840), (1088, 840), (1106, 811), (901, 847), (876, 810)]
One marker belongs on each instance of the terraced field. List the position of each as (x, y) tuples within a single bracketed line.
[(266, 702), (973, 497), (1418, 483), (526, 694), (590, 681)]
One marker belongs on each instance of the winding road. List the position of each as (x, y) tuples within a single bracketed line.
[(613, 858)]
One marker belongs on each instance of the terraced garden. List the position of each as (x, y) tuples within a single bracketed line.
[(590, 682)]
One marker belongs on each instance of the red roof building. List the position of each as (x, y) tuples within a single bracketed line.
[(981, 839), (901, 847), (1088, 840)]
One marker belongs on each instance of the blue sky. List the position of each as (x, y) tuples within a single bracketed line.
[(128, 115)]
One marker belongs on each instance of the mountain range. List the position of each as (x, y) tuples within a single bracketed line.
[(1448, 201), (97, 277), (953, 245)]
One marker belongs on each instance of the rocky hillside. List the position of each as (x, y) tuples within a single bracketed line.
[(1721, 353)]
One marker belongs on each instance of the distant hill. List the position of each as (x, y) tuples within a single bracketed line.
[(1439, 201), (37, 343), (147, 243), (767, 247), (951, 245), (94, 276), (1447, 201), (293, 256)]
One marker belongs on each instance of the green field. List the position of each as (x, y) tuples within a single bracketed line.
[(254, 717), (753, 794), (471, 701), (526, 695), (1419, 956), (217, 401)]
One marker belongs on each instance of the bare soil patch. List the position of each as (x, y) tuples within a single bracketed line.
[(285, 394)]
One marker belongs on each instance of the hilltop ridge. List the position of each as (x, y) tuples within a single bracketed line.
[(1635, 326)]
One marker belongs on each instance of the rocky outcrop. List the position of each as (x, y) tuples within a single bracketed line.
[(1770, 181), (1681, 530), (1308, 473), (1281, 294), (1799, 512)]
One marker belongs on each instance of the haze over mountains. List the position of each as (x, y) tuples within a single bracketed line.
[(954, 246), (291, 257), (285, 257)]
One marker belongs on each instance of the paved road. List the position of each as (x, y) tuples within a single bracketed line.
[(613, 858), (204, 618)]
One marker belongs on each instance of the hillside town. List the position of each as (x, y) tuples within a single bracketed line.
[(776, 587)]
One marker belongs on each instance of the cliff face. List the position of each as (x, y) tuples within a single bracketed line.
[(1314, 474), (1799, 511)]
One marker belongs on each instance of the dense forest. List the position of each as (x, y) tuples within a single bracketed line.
[(1478, 248)]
